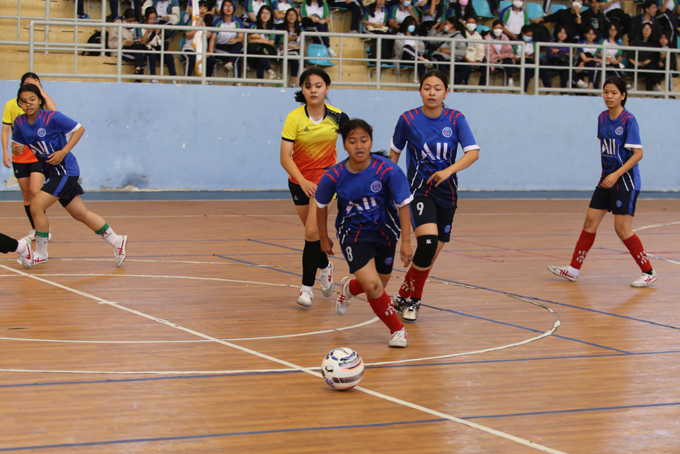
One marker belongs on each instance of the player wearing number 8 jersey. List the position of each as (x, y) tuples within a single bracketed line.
[(431, 135)]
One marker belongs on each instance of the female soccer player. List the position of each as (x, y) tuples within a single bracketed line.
[(619, 186), (27, 169), (45, 133), (432, 133), (368, 226), (307, 151)]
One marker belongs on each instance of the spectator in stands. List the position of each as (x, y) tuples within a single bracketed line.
[(570, 19), (203, 20), (526, 35), (615, 14), (434, 16), (676, 14), (664, 43), (229, 42), (353, 6), (398, 13), (665, 19), (292, 26), (474, 53), (444, 52), (167, 10), (262, 43), (406, 48), (556, 55), (594, 18), (281, 7), (315, 18), (648, 16), (152, 40), (251, 8), (643, 59), (113, 5), (589, 57), (513, 18), (130, 39), (375, 23), (461, 10), (613, 53), (499, 52)]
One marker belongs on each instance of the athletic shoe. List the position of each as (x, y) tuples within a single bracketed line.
[(120, 252), (326, 279), (26, 260), (511, 83), (229, 68), (398, 339), (331, 52), (581, 84), (342, 303), (411, 310), (399, 303), (37, 260), (645, 280), (271, 74), (83, 16), (562, 271), (305, 298)]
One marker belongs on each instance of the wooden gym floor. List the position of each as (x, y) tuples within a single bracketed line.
[(196, 344)]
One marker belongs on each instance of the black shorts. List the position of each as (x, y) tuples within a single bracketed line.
[(66, 188), (359, 254), (424, 210), (299, 196), (618, 202), (22, 170)]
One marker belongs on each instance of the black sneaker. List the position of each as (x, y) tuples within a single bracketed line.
[(411, 310), (399, 303)]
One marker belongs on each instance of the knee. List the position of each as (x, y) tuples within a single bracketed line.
[(426, 251), (311, 233), (373, 289), (623, 232)]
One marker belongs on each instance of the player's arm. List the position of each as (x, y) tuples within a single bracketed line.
[(463, 163), (6, 160), (58, 156), (611, 179), (289, 166), (322, 225), (49, 103), (405, 221)]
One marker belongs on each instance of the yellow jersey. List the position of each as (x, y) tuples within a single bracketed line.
[(11, 112)]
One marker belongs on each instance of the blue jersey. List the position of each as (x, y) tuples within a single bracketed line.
[(432, 146), (617, 139), (366, 200), (46, 136)]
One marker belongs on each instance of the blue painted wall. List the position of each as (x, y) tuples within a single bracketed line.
[(215, 137)]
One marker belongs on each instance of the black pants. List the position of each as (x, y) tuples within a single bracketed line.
[(138, 57), (354, 7), (236, 48), (592, 75), (542, 73), (509, 70), (168, 60), (564, 73), (312, 26), (191, 64)]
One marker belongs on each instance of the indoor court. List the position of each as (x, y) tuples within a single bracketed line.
[(196, 344)]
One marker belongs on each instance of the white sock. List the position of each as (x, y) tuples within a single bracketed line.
[(22, 248), (307, 289), (41, 246), (111, 237), (573, 271), (327, 269)]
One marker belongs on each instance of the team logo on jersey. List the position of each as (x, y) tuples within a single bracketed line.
[(619, 203), (388, 261), (619, 130), (376, 186), (447, 229), (447, 132), (42, 132)]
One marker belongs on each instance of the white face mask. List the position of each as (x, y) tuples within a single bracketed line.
[(471, 27), (518, 3), (577, 5), (498, 31)]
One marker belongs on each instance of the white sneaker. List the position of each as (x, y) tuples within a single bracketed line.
[(398, 339), (331, 52), (342, 303), (272, 74), (562, 271), (37, 260), (511, 83), (581, 84), (410, 313), (305, 298), (645, 280), (26, 259), (326, 279), (229, 68), (120, 252)]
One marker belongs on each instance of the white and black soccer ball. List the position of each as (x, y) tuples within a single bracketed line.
[(342, 368)]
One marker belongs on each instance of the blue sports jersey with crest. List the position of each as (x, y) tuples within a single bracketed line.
[(617, 139), (432, 145), (46, 136), (366, 200)]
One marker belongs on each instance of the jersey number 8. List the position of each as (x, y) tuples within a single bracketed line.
[(348, 251)]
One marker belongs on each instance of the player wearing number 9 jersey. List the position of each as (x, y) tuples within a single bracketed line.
[(431, 134), (370, 189)]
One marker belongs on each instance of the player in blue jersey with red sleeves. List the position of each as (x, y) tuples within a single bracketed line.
[(45, 133), (619, 186), (373, 197), (431, 134)]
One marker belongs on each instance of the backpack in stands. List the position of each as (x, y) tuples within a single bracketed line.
[(96, 38)]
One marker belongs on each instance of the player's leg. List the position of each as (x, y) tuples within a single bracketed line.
[(21, 247), (313, 242), (302, 204), (357, 255), (39, 205)]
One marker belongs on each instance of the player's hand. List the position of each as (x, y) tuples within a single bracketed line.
[(56, 158), (327, 246), (17, 148), (7, 160), (406, 253), (308, 188), (440, 176), (609, 181)]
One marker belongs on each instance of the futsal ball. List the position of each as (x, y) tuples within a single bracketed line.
[(342, 368)]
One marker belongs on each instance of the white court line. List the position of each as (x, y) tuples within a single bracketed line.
[(675, 262), (296, 367)]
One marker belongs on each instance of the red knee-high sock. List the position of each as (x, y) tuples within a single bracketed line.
[(385, 311), (355, 287), (634, 245), (583, 245), (407, 285), (419, 278)]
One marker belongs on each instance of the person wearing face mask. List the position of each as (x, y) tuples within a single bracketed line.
[(593, 18), (526, 35), (568, 18), (131, 40), (648, 16), (375, 23), (499, 53), (398, 13), (447, 50), (513, 18), (474, 53), (406, 48), (616, 15)]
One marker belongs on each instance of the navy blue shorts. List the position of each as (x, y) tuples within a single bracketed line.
[(358, 255), (424, 210), (22, 170), (66, 188), (618, 202)]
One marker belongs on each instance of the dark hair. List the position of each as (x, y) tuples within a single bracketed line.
[(667, 35), (33, 89), (319, 2), (558, 30), (408, 20), (372, 7), (434, 73), (353, 124), (526, 29), (203, 3), (496, 22), (616, 26), (129, 14), (648, 4), (233, 7), (208, 20), (588, 30), (311, 71), (149, 11), (620, 84), (27, 76), (270, 23), (296, 24)]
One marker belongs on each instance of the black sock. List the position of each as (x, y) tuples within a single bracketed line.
[(650, 272), (28, 213), (309, 262), (8, 244), (322, 258)]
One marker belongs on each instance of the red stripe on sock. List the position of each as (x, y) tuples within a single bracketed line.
[(385, 311), (419, 278), (583, 245), (634, 245), (355, 287), (407, 285)]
